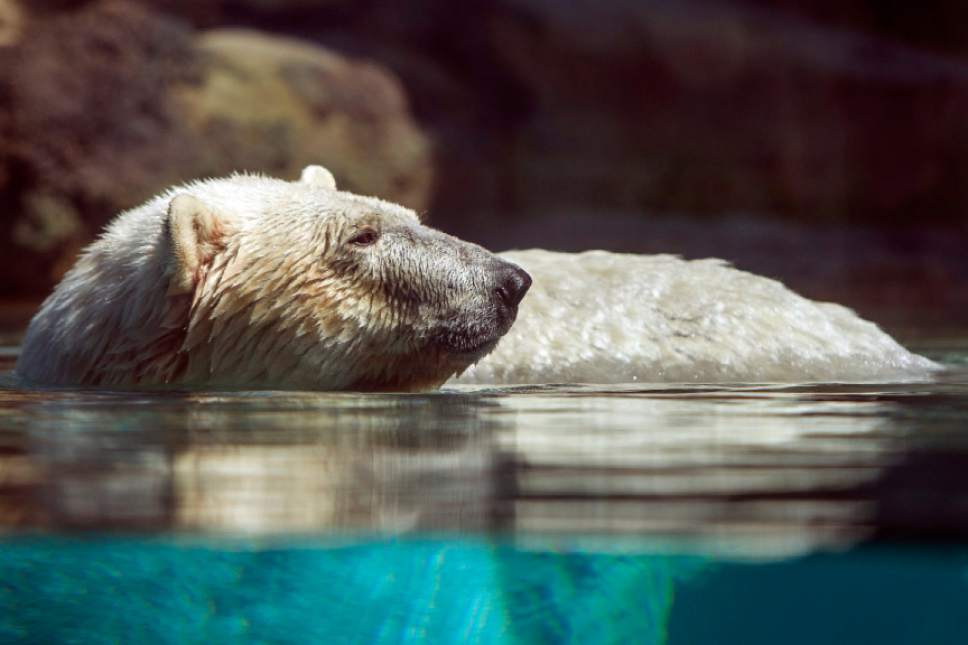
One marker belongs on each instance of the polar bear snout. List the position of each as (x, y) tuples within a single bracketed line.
[(512, 283)]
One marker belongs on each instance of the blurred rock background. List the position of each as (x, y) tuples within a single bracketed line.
[(823, 143)]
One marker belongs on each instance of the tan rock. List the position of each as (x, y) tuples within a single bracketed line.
[(278, 104), (110, 104), (11, 22)]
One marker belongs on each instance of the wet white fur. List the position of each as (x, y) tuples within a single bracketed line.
[(599, 317), (122, 282), (591, 317)]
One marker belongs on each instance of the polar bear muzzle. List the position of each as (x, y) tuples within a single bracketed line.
[(475, 332)]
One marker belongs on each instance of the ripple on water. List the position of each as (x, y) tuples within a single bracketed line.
[(556, 513), (784, 464)]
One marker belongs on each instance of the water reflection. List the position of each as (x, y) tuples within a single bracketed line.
[(775, 468), (545, 514), (247, 462)]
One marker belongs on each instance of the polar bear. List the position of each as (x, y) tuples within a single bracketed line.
[(255, 282)]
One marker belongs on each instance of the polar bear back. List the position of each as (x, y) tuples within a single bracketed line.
[(599, 317)]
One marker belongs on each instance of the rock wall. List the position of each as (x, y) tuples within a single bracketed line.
[(108, 104), (498, 116)]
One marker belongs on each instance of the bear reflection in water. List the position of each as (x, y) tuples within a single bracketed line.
[(714, 465), (255, 282), (540, 503)]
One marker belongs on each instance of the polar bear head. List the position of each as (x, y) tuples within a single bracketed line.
[(249, 281)]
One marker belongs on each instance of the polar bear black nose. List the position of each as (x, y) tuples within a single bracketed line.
[(513, 283)]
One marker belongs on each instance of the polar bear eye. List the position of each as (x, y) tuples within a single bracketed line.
[(365, 237)]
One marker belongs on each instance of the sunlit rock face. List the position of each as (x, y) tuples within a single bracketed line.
[(281, 103), (602, 317), (11, 22), (107, 104)]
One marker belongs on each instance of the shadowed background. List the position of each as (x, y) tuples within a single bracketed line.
[(822, 143)]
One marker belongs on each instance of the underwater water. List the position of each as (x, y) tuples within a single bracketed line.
[(647, 514)]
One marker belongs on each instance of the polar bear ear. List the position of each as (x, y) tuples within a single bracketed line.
[(194, 234), (318, 176)]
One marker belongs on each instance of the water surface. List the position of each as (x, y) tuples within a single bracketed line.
[(749, 513)]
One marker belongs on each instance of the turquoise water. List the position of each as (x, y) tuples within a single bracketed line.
[(765, 513), (465, 590)]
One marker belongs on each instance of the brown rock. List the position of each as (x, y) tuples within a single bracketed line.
[(695, 106), (85, 129), (108, 105), (277, 104), (11, 22), (709, 107)]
